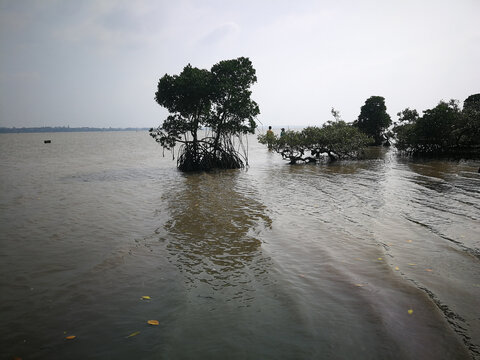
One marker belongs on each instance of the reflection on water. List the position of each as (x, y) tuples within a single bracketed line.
[(212, 231)]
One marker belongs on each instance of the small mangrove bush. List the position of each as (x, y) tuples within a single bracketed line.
[(333, 141)]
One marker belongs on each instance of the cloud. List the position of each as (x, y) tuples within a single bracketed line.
[(309, 56), (220, 34), (108, 25)]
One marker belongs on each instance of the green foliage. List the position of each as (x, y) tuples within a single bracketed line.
[(233, 111), (443, 130), (408, 116), (342, 139), (337, 140), (187, 94), (471, 120), (472, 103), (373, 119), (218, 99)]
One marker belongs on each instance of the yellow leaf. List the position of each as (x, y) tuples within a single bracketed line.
[(146, 297), (429, 270), (380, 258), (410, 311), (409, 241), (396, 268), (70, 337), (412, 264), (134, 334), (359, 285), (153, 322)]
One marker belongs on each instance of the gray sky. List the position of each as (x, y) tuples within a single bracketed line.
[(97, 62)]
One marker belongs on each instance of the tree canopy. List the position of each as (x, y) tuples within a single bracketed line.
[(373, 119), (472, 103), (333, 141), (443, 130), (218, 100)]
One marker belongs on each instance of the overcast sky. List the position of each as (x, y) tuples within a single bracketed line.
[(97, 63)]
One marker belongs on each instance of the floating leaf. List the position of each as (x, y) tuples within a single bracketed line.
[(397, 268), (380, 258), (409, 241), (146, 297), (70, 337), (410, 311), (429, 270), (153, 322), (359, 285), (412, 264), (133, 334)]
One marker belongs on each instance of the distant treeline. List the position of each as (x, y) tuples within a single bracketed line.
[(48, 129)]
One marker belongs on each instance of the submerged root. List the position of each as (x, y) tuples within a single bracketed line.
[(203, 157)]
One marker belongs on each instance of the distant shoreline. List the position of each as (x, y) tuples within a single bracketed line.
[(48, 129)]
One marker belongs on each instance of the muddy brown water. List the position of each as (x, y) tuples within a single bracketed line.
[(375, 259)]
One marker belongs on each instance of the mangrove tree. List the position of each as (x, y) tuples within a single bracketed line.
[(374, 119), (445, 130), (217, 100)]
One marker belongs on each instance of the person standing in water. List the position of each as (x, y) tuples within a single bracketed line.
[(270, 137)]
